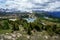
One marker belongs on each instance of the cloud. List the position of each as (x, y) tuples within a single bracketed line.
[(53, 6), (29, 5)]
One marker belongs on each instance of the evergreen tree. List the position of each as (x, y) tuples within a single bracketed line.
[(6, 25)]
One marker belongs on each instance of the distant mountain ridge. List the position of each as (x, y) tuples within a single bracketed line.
[(53, 14)]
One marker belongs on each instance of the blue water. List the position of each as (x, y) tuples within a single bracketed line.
[(30, 19)]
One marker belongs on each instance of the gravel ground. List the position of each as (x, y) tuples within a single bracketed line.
[(35, 36)]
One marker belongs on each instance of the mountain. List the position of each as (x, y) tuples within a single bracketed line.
[(49, 13), (52, 14)]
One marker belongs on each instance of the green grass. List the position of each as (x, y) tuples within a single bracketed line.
[(5, 31)]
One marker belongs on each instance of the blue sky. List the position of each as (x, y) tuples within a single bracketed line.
[(29, 5)]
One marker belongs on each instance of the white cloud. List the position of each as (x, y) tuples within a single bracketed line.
[(29, 5), (40, 1), (52, 6)]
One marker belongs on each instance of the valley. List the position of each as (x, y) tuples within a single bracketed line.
[(29, 26)]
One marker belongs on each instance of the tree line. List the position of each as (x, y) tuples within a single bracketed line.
[(28, 27)]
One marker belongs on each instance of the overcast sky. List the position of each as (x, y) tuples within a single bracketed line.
[(29, 5)]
